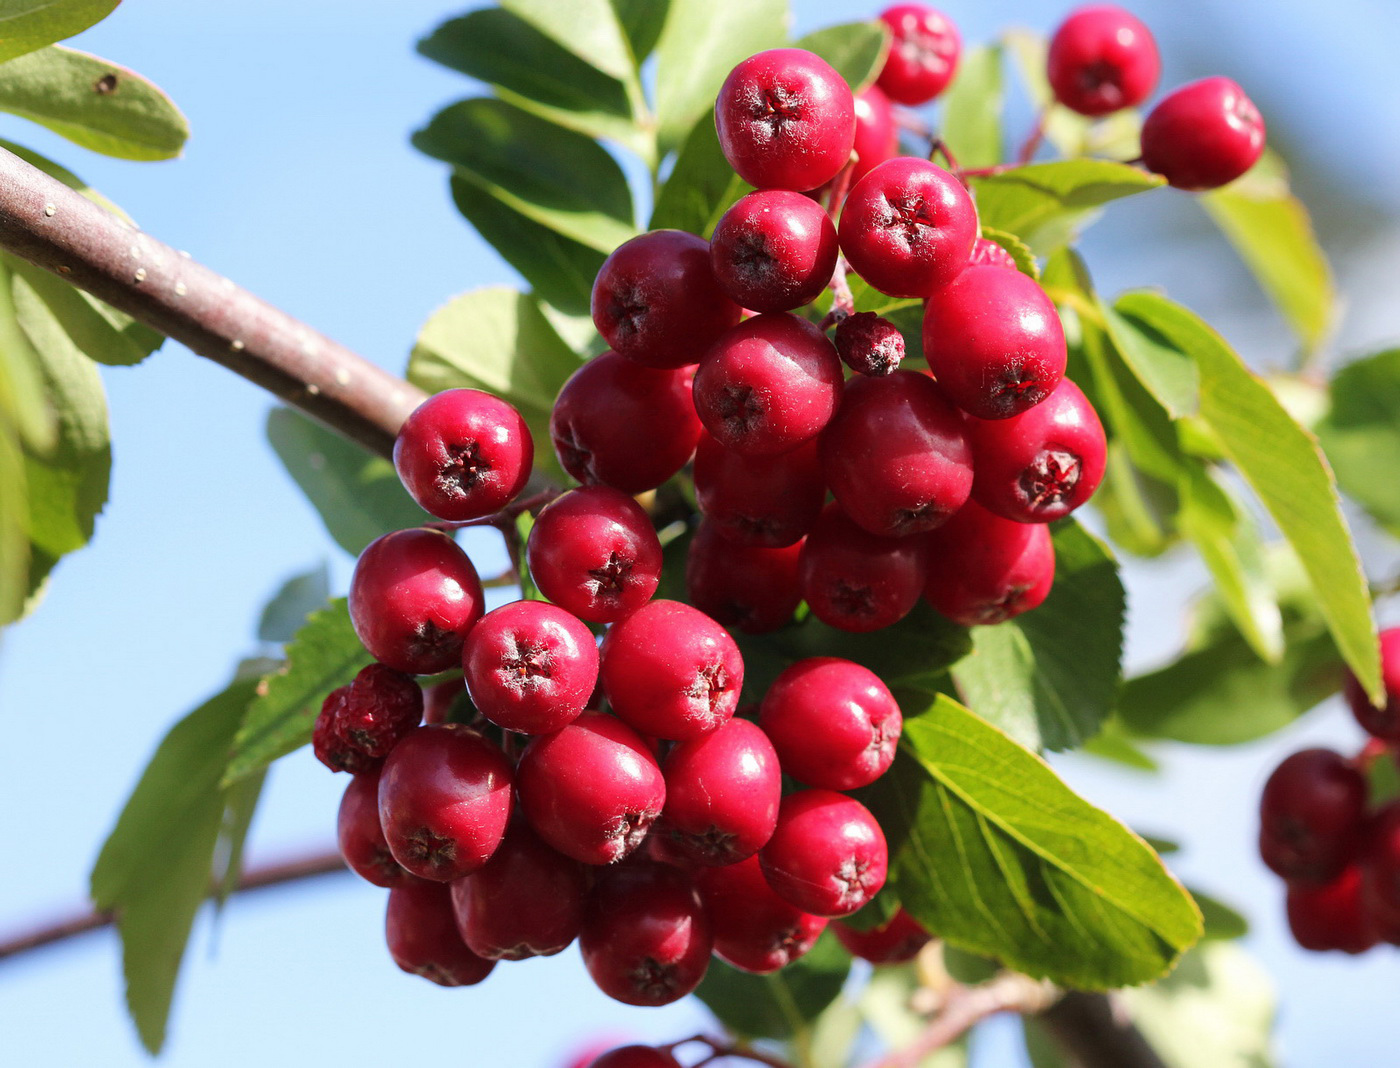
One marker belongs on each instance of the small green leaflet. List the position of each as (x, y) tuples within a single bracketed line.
[(590, 29), (701, 186), (297, 598), (857, 50), (1361, 433), (781, 1004), (972, 109)]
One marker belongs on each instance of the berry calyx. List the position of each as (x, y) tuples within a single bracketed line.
[(1203, 135), (755, 929), (1379, 722), (827, 856), (983, 569), (1311, 816), (923, 56), (855, 580), (1101, 59), (423, 939), (774, 250)]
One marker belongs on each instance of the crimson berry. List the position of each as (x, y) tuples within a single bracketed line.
[(1311, 816), (618, 423), (994, 341), (646, 939), (594, 553), (855, 580), (1102, 59), (591, 790), (655, 299), (423, 938), (463, 454), (381, 706), (1331, 915), (868, 344), (671, 671), (923, 56), (827, 856), (786, 120), (768, 385), (755, 929), (895, 942), (747, 587), (331, 748), (1203, 135), (877, 132), (444, 801), (413, 597), (770, 502), (774, 250), (360, 836), (983, 569), (1383, 722), (1380, 873), (440, 700), (908, 227), (634, 1057), (987, 253)]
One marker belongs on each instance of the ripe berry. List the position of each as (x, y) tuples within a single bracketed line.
[(868, 344), (624, 425), (770, 502), (855, 580), (1042, 464), (834, 723), (423, 939), (1380, 873), (1311, 816), (671, 671), (381, 706), (655, 299), (360, 836), (1331, 915), (768, 385), (993, 340), (1384, 722), (463, 454), (441, 700), (330, 746), (413, 597), (530, 667), (923, 56), (786, 120), (633, 1057), (594, 553), (827, 855), (1203, 135), (755, 929), (444, 801), (1102, 59), (877, 132), (983, 569), (893, 943), (908, 227), (774, 250), (895, 455), (744, 587), (987, 253), (591, 790), (646, 939)]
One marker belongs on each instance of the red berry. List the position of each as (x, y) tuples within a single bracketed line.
[(591, 790), (1311, 816), (923, 56), (463, 454), (1331, 915), (1203, 135), (633, 1057), (423, 939), (877, 132), (774, 250), (624, 425), (855, 580), (868, 344), (530, 667), (983, 569), (755, 929), (827, 855), (671, 671), (987, 253), (656, 301), (331, 748), (413, 597), (360, 836), (768, 385), (786, 120), (381, 706), (1383, 722), (770, 502), (893, 943), (646, 939), (444, 801), (994, 341), (747, 587), (1380, 873), (593, 552), (908, 227), (440, 700), (1102, 59)]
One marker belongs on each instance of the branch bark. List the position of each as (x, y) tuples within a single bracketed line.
[(1097, 1034)]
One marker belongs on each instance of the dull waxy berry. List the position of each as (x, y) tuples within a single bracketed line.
[(1101, 59), (983, 569), (1203, 135), (1380, 722), (858, 581), (381, 706), (774, 250), (869, 344), (786, 120), (769, 502), (444, 801), (755, 929), (423, 938), (463, 454), (633, 1057), (877, 132), (360, 836), (1311, 816), (987, 253), (1331, 915), (331, 748), (923, 56), (893, 943), (827, 856), (748, 587)]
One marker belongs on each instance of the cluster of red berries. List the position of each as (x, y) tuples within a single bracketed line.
[(1318, 829)]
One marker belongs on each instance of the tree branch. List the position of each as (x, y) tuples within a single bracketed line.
[(1097, 1033), (60, 230)]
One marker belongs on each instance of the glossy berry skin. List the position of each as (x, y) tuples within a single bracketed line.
[(834, 723), (774, 250), (1203, 135), (646, 938), (907, 227), (786, 120), (895, 456), (381, 706), (1332, 915), (983, 569), (634, 1057), (1384, 722), (894, 943), (360, 836), (1312, 816), (591, 790), (463, 454), (755, 929), (858, 581), (331, 748), (722, 795), (444, 801), (994, 341), (877, 132), (745, 587), (987, 253), (414, 595), (423, 939), (594, 553), (1040, 465), (923, 57), (768, 502), (671, 671), (768, 385), (527, 901), (1102, 59), (655, 299), (869, 344), (530, 667), (827, 856)]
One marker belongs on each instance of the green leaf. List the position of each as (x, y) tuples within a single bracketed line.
[(642, 22), (27, 25), (992, 852), (972, 109), (968, 968), (781, 1004), (1361, 434), (298, 597), (14, 510), (1017, 249), (1169, 374), (324, 654), (856, 49), (100, 331), (701, 186), (1049, 677), (1112, 743), (588, 28), (358, 496), (1221, 921)]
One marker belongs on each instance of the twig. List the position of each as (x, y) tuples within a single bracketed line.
[(1033, 139), (1096, 1033), (720, 1050)]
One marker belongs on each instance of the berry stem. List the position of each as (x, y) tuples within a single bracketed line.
[(843, 304), (1033, 139), (720, 1050), (940, 148), (907, 120)]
